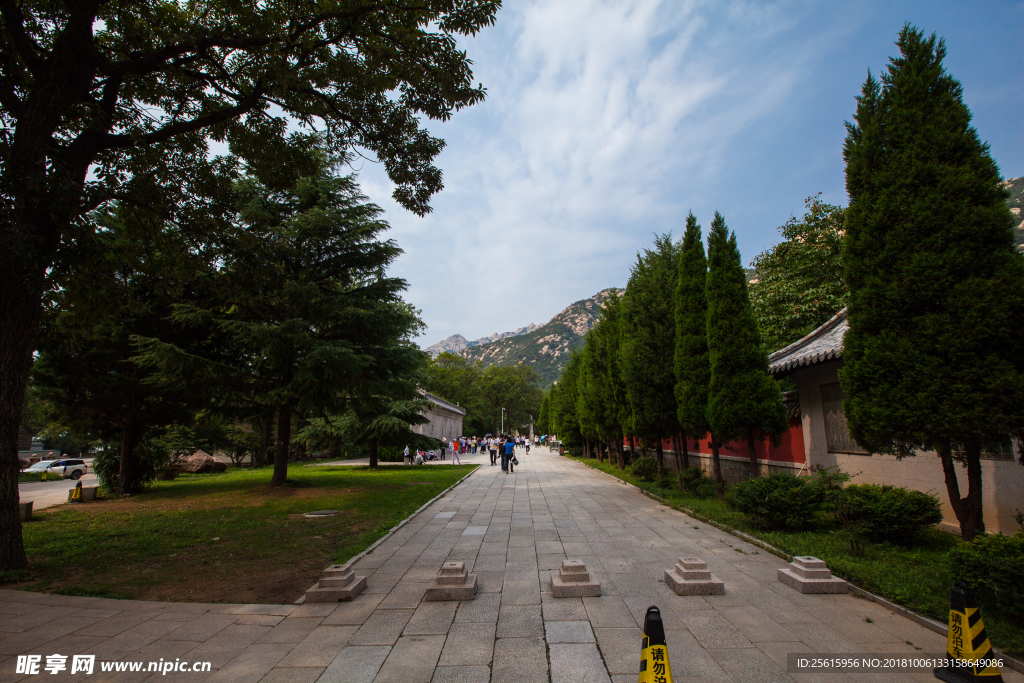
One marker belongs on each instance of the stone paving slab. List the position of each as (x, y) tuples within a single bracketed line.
[(512, 531)]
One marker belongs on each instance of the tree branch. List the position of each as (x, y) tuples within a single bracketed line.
[(27, 48)]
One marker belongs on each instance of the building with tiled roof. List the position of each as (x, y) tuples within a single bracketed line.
[(813, 365)]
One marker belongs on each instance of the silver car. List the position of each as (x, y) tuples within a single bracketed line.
[(66, 469)]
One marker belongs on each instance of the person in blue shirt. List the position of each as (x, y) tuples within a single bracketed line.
[(508, 454)]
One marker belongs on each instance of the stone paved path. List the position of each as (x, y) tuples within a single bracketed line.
[(511, 530)]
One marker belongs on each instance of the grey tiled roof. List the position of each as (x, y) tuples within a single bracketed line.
[(820, 346), (443, 403)]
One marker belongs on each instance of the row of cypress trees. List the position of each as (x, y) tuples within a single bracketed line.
[(675, 356), (933, 360)]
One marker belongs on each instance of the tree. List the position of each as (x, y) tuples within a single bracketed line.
[(600, 378), (543, 423), (744, 401), (798, 283), (933, 356), (564, 420), (302, 315), (457, 380), (515, 388), (85, 366), (95, 97), (648, 341), (692, 366)]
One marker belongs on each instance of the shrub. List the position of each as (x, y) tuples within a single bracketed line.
[(890, 513), (645, 468), (150, 456), (830, 482), (697, 482), (777, 500), (993, 566)]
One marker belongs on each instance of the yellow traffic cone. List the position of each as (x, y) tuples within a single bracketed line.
[(969, 656), (76, 494), (654, 666), (42, 477)]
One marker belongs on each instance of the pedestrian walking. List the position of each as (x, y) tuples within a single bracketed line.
[(492, 446), (510, 453), (455, 453)]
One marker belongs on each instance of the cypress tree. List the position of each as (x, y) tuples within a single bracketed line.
[(693, 369), (933, 356), (744, 401), (648, 342)]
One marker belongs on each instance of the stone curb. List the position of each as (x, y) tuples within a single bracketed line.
[(398, 526), (928, 623)]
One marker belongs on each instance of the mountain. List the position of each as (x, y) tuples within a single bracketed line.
[(546, 347), (1016, 204), (457, 342)]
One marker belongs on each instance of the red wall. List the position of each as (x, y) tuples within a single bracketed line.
[(790, 450)]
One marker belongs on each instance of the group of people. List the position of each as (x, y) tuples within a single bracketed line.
[(502, 446)]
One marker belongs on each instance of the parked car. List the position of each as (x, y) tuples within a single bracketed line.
[(68, 469)]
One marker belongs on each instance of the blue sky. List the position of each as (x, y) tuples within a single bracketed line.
[(606, 121)]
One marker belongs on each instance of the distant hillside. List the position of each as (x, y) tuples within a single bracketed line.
[(457, 342), (547, 347), (1016, 204)]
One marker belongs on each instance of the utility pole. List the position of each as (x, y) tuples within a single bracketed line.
[(503, 420)]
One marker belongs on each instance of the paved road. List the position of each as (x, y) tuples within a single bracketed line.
[(44, 494), (511, 530)]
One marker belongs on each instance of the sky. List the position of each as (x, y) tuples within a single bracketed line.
[(607, 121)]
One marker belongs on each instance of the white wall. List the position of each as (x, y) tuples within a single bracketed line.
[(1002, 480)]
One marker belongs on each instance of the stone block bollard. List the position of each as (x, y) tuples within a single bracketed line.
[(810, 575), (572, 580), (452, 583), (690, 576)]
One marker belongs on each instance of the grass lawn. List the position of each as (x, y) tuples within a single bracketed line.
[(916, 577), (226, 537)]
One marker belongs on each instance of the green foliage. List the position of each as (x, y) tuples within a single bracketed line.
[(300, 316), (564, 420), (743, 400), (647, 349), (695, 481), (646, 468), (798, 283), (482, 393), (600, 401), (993, 566), (150, 455), (777, 501), (830, 482), (890, 513), (692, 364), (543, 425), (934, 354)]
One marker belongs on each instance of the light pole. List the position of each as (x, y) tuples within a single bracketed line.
[(503, 420)]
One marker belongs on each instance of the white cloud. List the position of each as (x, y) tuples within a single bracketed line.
[(605, 122)]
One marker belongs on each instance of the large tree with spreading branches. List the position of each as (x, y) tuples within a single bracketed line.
[(97, 96)]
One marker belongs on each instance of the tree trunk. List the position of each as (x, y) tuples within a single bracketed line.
[(661, 456), (586, 447), (129, 439), (372, 446), (755, 470), (676, 450), (266, 423), (716, 466), (968, 510), (686, 451), (621, 450), (284, 437), (20, 309)]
